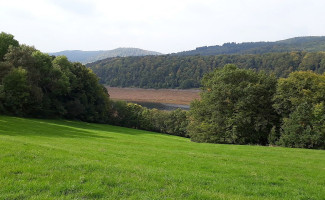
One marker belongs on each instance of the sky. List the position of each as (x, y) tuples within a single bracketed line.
[(166, 26)]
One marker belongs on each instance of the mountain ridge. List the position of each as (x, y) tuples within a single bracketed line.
[(92, 56), (303, 43)]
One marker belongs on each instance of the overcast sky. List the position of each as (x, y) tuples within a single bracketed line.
[(160, 25)]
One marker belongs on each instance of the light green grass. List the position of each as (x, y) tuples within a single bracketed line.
[(53, 159)]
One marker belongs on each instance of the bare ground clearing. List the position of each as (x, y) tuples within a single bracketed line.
[(170, 96)]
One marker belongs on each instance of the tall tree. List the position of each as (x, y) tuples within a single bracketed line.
[(300, 100), (235, 107)]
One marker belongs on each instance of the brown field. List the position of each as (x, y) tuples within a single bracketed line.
[(170, 96)]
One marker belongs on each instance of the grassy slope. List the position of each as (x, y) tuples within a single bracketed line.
[(52, 159)]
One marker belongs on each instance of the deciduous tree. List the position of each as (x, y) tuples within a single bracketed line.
[(235, 107)]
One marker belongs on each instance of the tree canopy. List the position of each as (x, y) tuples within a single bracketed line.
[(35, 84), (235, 107), (6, 40), (300, 100)]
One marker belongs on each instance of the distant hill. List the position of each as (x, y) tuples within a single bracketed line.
[(308, 44), (92, 56)]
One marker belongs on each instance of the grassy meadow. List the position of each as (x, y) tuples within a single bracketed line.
[(57, 159)]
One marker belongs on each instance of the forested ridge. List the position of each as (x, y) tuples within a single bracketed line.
[(169, 71), (309, 44)]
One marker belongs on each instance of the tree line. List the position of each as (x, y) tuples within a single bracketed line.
[(237, 106), (240, 106), (169, 71)]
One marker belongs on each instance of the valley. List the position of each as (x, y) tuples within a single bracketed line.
[(162, 100)]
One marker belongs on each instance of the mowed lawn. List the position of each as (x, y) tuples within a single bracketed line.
[(57, 159)]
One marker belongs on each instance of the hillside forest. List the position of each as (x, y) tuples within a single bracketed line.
[(239, 104), (308, 44), (168, 71)]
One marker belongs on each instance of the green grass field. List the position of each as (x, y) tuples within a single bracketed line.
[(56, 159)]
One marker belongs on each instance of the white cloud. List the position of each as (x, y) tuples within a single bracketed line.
[(166, 26)]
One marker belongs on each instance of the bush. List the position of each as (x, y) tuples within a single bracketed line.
[(135, 116)]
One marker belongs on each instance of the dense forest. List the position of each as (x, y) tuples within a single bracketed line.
[(92, 56), (34, 84), (186, 71), (309, 44)]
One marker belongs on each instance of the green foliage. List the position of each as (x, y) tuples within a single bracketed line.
[(189, 83), (304, 128), (15, 94), (177, 123), (135, 116), (127, 114), (300, 87), (5, 68), (299, 99), (89, 97), (35, 84), (187, 71), (6, 40), (235, 107), (273, 136)]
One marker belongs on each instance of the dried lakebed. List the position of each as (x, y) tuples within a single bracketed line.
[(162, 99)]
